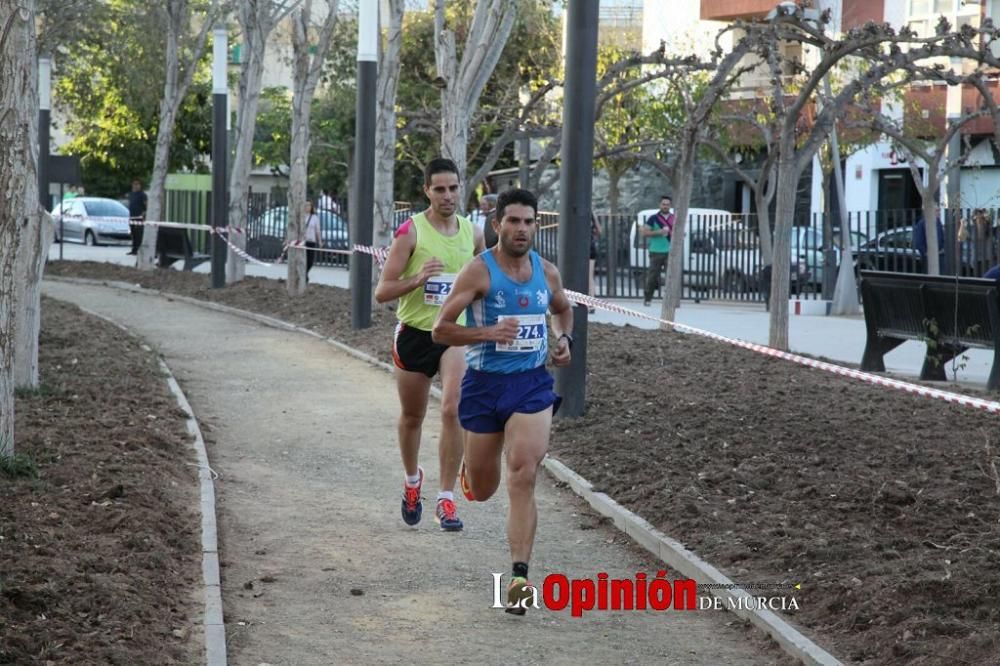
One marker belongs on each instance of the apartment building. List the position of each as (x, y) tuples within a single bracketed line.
[(877, 177)]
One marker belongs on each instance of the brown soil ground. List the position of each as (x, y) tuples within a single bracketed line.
[(99, 556), (885, 507)]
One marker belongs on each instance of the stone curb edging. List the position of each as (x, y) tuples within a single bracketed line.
[(213, 624), (691, 566), (670, 551)]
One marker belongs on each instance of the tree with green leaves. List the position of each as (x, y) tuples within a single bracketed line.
[(619, 124), (529, 63), (185, 46), (924, 145), (743, 138), (461, 77), (882, 60), (390, 43), (307, 66), (109, 86), (257, 20)]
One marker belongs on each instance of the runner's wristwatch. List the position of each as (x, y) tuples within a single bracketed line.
[(569, 339)]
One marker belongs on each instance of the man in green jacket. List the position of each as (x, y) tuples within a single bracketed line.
[(657, 230)]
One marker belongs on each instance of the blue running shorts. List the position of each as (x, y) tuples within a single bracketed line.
[(489, 399)]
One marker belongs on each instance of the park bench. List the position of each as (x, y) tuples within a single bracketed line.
[(174, 244), (950, 314)]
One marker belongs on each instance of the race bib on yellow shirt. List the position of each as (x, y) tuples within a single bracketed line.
[(531, 333), (437, 288)]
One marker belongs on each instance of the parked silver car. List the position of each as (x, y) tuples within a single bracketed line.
[(92, 221)]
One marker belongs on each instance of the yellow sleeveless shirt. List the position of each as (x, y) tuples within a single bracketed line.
[(419, 308)]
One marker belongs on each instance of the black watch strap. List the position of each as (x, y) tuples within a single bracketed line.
[(569, 338)]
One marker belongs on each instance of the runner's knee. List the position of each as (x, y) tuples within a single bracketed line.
[(449, 406), (411, 419), (483, 480), (484, 491), (521, 471)]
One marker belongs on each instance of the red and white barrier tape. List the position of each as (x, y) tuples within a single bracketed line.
[(158, 223), (947, 396), (242, 254), (301, 245), (380, 254)]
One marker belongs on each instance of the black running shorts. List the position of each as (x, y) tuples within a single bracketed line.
[(414, 350)]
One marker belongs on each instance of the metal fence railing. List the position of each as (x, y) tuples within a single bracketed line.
[(721, 251), (267, 228), (722, 258)]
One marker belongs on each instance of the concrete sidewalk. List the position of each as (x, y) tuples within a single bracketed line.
[(836, 338), (318, 568)]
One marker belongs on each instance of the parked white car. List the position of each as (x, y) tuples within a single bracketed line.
[(719, 251), (92, 221)]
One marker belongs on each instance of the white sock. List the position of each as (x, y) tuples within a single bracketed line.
[(413, 480), (446, 494)]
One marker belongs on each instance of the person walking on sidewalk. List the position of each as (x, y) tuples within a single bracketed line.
[(658, 229), (136, 214), (427, 252), (507, 394), (313, 235)]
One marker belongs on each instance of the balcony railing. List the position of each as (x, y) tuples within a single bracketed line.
[(728, 10)]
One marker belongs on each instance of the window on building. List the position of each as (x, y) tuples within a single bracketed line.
[(923, 15)]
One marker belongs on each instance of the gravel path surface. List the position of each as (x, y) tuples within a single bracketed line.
[(318, 568)]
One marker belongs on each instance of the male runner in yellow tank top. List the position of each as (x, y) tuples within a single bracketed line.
[(427, 253)]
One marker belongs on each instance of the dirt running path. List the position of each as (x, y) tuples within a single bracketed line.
[(303, 438)]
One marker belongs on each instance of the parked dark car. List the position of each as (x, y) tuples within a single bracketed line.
[(893, 250), (266, 234)]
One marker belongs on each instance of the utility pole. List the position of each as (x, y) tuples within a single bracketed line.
[(362, 199), (576, 179), (44, 121), (220, 154)]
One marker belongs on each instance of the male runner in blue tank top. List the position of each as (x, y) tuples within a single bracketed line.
[(507, 397)]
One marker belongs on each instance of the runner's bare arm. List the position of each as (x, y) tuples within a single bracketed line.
[(390, 286), (472, 282), (562, 315)]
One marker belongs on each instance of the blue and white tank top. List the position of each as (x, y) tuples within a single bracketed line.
[(528, 302)]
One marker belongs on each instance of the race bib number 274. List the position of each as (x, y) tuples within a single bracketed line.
[(531, 334)]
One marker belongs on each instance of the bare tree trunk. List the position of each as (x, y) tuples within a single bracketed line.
[(175, 88), (930, 209), (784, 213), (18, 183), (146, 259), (683, 184), (614, 192), (463, 82), (298, 174), (385, 127), (845, 293), (36, 239), (255, 26), (763, 205), (306, 72)]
